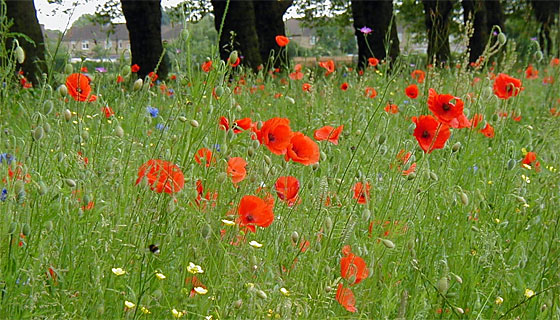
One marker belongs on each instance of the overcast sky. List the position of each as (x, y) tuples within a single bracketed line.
[(59, 16)]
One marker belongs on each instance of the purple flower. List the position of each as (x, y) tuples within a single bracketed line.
[(365, 30), (152, 111), (101, 69)]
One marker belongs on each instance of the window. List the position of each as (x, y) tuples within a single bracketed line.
[(313, 40), (85, 45), (120, 44)]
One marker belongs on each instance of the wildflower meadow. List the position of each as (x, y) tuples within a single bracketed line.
[(400, 191)]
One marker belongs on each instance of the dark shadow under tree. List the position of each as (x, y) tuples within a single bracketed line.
[(436, 14)]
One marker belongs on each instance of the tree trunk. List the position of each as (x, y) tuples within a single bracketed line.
[(25, 21), (239, 19), (269, 24), (437, 14), (494, 15), (143, 21), (544, 12), (475, 12), (378, 16)]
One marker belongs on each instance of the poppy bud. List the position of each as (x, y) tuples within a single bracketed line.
[(460, 310), (328, 289), (26, 230), (67, 115), (456, 147), (219, 91), (237, 107), (410, 244), (19, 186), (511, 164), (254, 260), (433, 176), (328, 224), (42, 188), (411, 176), (137, 85), (358, 132), (77, 139), (237, 304), (290, 100), (68, 68), (20, 54), (366, 214), (261, 294), (442, 285), (464, 198), (182, 118), (47, 107), (381, 139), (194, 123), (125, 71), (495, 117), (388, 243), (538, 55), (502, 38), (69, 182), (12, 228), (47, 127), (119, 132), (221, 177), (250, 151), (205, 231), (85, 135), (233, 57), (458, 279), (295, 237), (49, 226)]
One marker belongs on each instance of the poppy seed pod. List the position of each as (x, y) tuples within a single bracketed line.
[(219, 91), (26, 230), (238, 304), (328, 224), (137, 84), (20, 54), (295, 236), (456, 147), (47, 107), (458, 279), (38, 133), (538, 55), (233, 56), (221, 177), (250, 151), (12, 228), (182, 118), (47, 127), (381, 139), (68, 68), (261, 294), (433, 176), (502, 39), (388, 243)]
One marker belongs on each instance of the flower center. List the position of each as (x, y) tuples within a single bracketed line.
[(446, 107), (271, 137), (425, 134), (250, 218)]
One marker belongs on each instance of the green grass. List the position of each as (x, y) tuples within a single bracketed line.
[(499, 243)]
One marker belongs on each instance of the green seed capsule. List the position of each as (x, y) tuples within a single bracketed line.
[(433, 176), (137, 84), (261, 294), (47, 127), (456, 147), (495, 117), (48, 105), (382, 138), (295, 237), (238, 304), (256, 144), (502, 38), (511, 164), (67, 115), (221, 177), (219, 91), (464, 198), (68, 68), (26, 230), (194, 123), (119, 131), (323, 156), (85, 135), (69, 182), (328, 224), (250, 151), (12, 228), (411, 176), (20, 55), (388, 243)]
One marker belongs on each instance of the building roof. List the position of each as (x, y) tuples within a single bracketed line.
[(97, 32)]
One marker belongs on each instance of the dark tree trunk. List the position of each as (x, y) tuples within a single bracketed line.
[(378, 16), (494, 15), (544, 12), (25, 21), (143, 21), (437, 14), (269, 24), (475, 12), (240, 19)]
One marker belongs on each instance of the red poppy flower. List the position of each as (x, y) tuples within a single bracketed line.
[(297, 74), (287, 189), (254, 211), (135, 68), (344, 86), (548, 80), (391, 108), (554, 62), (206, 155), (236, 169), (531, 73), (430, 133), (346, 298), (410, 169), (445, 110), (302, 149), (488, 131), (282, 41), (162, 176), (107, 111), (506, 87), (224, 123), (370, 92), (242, 125), (372, 62), (418, 75), (120, 79), (275, 134), (361, 193), (153, 76), (306, 87), (476, 119), (235, 63), (411, 91), (79, 88), (207, 66), (210, 196), (352, 267), (328, 133), (329, 65)]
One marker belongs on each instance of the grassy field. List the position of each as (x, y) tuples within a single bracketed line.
[(138, 211)]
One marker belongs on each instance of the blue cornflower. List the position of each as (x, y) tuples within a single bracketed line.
[(4, 195), (152, 111), (217, 147), (161, 126), (6, 157)]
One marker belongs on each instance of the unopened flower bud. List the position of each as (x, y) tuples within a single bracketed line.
[(502, 39), (381, 139), (261, 294), (67, 115), (388, 243), (137, 84), (38, 133), (511, 164), (194, 123), (538, 55), (464, 198), (68, 68), (119, 131), (456, 146), (69, 182), (20, 54), (26, 230), (295, 236), (443, 285), (233, 57)]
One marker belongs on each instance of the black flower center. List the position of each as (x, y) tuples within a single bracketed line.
[(425, 134)]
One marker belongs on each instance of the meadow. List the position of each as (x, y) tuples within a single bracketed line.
[(221, 194)]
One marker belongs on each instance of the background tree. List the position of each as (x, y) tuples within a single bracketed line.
[(270, 23), (436, 14), (377, 15), (143, 21), (24, 17), (483, 15), (544, 12)]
